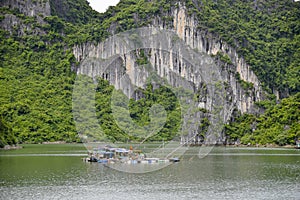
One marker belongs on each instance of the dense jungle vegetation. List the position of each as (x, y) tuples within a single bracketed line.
[(37, 67)]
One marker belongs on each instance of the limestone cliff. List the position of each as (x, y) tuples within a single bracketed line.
[(165, 50), (171, 67), (31, 8), (37, 9), (212, 44)]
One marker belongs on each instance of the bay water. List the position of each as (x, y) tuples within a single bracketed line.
[(58, 172)]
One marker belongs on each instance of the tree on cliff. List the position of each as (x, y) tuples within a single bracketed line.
[(6, 135)]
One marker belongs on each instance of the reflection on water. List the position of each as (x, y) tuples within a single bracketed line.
[(227, 173)]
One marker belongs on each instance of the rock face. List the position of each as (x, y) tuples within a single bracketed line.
[(185, 57), (166, 64), (211, 44), (133, 59), (31, 8)]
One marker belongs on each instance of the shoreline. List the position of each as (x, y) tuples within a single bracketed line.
[(263, 146), (20, 146), (255, 146)]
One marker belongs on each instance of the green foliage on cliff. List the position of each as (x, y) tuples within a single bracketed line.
[(36, 87), (279, 124), (6, 135), (111, 119), (74, 11), (266, 33), (37, 67)]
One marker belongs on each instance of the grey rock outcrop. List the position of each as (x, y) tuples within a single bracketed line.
[(31, 8), (38, 8)]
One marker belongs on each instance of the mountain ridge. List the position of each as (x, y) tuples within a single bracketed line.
[(34, 54)]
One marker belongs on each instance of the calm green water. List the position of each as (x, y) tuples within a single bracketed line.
[(57, 172)]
